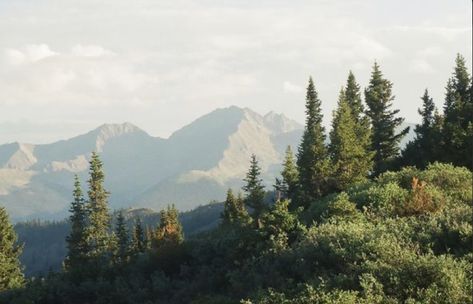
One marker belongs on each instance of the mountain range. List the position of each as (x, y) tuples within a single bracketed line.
[(195, 165)]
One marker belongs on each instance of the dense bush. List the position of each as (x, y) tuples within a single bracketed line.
[(405, 237)]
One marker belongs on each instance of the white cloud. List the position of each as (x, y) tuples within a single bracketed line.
[(371, 49), (90, 51), (146, 60), (14, 57), (289, 87), (431, 51), (28, 54), (36, 52), (421, 66)]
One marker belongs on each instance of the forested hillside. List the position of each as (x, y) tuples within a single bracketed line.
[(354, 219), (45, 241)]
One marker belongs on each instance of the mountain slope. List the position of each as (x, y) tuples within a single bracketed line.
[(193, 166)]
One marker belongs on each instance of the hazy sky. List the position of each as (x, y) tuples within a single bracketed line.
[(69, 66)]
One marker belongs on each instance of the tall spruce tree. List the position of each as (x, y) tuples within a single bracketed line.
[(312, 158), (385, 141), (458, 117), (350, 159), (287, 185), (138, 243), (99, 215), (122, 252), (353, 97), (254, 190), (423, 149), (11, 275), (77, 240), (362, 121), (234, 211)]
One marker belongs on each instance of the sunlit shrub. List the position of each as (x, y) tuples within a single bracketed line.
[(422, 199)]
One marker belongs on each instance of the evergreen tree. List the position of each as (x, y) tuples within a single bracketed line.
[(10, 269), (234, 211), (312, 158), (362, 121), (353, 97), (138, 243), (77, 245), (385, 141), (169, 232), (423, 149), (99, 216), (351, 161), (281, 227), (122, 239), (254, 190), (458, 117), (286, 187), (149, 237)]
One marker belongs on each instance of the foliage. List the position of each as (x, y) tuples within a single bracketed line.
[(98, 215), (312, 158), (458, 118), (77, 240), (138, 243), (10, 269), (348, 147), (385, 141), (234, 211), (399, 237), (169, 232), (122, 250), (254, 190), (287, 186)]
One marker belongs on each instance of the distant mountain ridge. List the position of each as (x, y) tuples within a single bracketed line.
[(193, 166)]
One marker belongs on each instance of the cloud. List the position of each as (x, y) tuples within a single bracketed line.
[(421, 66), (145, 60), (431, 51), (90, 51), (289, 87), (29, 54)]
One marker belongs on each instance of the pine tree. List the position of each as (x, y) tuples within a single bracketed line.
[(10, 268), (312, 158), (385, 141), (362, 121), (254, 190), (286, 187), (458, 117), (423, 149), (149, 237), (281, 227), (99, 215), (138, 243), (121, 233), (353, 97), (77, 245), (234, 211), (169, 232), (351, 161), (437, 137)]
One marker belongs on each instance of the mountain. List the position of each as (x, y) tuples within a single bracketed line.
[(195, 165)]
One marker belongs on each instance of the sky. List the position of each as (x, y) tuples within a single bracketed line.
[(67, 67)]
